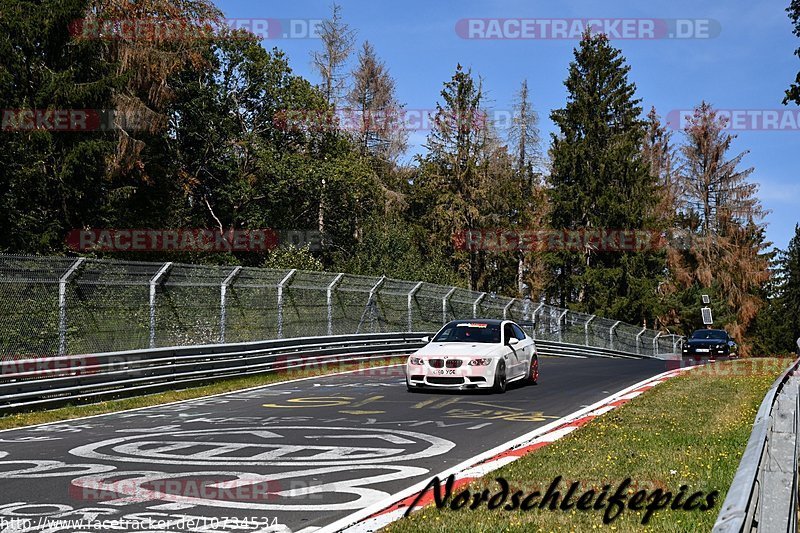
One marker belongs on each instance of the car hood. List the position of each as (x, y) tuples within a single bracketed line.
[(459, 349), (701, 343)]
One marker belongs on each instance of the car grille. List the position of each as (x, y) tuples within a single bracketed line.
[(445, 381), (441, 363)]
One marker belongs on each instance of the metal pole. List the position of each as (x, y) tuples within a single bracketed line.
[(445, 301), (639, 341), (331, 287), (655, 343), (410, 299), (282, 283), (155, 280), (611, 333), (533, 319), (62, 304), (223, 295), (476, 303), (586, 329), (507, 307), (560, 330)]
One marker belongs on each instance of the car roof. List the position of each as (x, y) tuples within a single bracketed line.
[(490, 321)]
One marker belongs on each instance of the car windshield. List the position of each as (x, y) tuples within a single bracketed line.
[(710, 334), (470, 332)]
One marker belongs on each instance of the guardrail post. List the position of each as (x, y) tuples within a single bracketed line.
[(639, 341), (586, 330), (223, 296), (476, 303), (560, 329), (329, 299), (281, 285), (655, 343), (507, 307), (611, 333), (445, 301), (62, 304), (411, 294), (154, 281)]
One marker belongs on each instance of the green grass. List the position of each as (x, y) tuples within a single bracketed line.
[(219, 387), (690, 430)]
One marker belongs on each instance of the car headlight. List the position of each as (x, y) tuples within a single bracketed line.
[(416, 361), (720, 346), (480, 362)]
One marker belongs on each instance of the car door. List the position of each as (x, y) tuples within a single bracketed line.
[(527, 345), (517, 359)]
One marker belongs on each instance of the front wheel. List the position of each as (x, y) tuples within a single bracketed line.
[(533, 371), (500, 378)]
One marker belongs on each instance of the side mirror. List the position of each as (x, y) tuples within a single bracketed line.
[(513, 340), (426, 339)]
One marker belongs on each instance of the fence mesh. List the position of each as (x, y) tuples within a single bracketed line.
[(66, 305)]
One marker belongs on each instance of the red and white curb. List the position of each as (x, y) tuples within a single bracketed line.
[(394, 507)]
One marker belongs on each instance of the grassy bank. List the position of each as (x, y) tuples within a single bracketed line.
[(691, 430), (219, 387)]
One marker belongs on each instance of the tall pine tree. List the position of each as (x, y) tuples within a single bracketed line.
[(599, 180)]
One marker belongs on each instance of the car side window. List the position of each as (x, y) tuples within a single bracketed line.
[(508, 333), (518, 332)]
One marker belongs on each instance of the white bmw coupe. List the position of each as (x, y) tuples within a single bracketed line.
[(474, 354)]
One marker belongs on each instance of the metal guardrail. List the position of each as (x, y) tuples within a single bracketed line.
[(49, 382), (556, 349), (60, 380), (764, 493)]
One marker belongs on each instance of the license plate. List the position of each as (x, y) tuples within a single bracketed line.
[(703, 350), (445, 372)]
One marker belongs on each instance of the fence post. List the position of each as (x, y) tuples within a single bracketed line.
[(223, 296), (655, 343), (281, 285), (476, 303), (533, 319), (331, 288), (411, 294), (445, 301), (507, 307), (639, 341), (586, 329), (62, 304), (154, 281), (560, 329), (611, 333)]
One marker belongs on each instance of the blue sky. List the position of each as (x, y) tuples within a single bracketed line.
[(747, 66)]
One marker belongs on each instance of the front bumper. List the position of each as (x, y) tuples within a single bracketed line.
[(464, 377), (705, 351)]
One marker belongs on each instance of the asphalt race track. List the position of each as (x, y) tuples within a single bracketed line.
[(294, 456)]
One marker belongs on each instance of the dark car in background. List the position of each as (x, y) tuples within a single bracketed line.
[(710, 343)]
